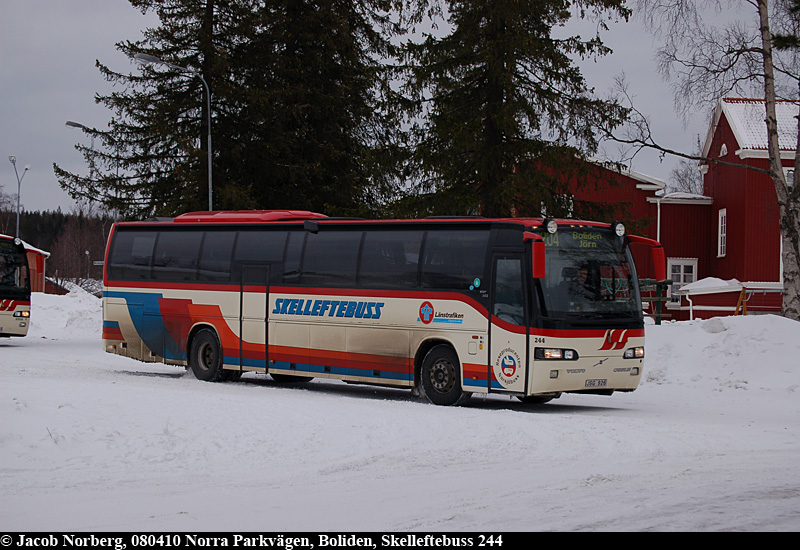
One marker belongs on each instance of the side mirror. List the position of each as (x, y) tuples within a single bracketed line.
[(537, 254), (659, 263), (659, 258)]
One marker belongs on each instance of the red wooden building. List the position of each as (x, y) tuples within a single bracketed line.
[(723, 247), (741, 265)]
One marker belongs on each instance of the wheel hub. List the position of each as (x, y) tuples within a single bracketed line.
[(206, 356), (443, 376)]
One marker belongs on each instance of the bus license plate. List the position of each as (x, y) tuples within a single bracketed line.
[(596, 383)]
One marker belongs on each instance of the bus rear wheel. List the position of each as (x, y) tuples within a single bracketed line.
[(440, 377), (205, 356)]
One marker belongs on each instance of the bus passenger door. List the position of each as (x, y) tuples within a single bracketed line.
[(253, 300), (508, 340)]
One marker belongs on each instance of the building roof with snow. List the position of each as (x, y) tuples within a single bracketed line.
[(643, 181), (679, 197), (746, 118), (29, 247)]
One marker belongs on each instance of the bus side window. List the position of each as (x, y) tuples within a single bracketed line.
[(330, 258), (292, 257), (390, 259), (176, 255), (215, 256), (131, 255), (257, 247), (454, 258), (508, 293)]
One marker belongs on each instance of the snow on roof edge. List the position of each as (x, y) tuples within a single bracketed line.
[(29, 246), (626, 171), (712, 285)]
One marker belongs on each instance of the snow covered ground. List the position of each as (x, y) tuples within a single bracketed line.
[(94, 442)]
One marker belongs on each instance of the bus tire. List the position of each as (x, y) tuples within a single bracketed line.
[(440, 378), (205, 356)]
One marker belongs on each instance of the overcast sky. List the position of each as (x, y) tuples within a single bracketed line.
[(48, 50)]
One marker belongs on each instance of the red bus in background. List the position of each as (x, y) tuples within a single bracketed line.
[(15, 288)]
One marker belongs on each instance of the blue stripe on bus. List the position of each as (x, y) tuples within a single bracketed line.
[(148, 321), (249, 362), (469, 383), (340, 371)]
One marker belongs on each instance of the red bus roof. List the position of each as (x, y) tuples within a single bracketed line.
[(265, 216), (245, 216)]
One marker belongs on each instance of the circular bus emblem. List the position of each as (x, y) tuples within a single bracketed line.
[(507, 367), (426, 312)]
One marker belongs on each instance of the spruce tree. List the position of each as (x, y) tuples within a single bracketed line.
[(504, 108), (317, 118), (296, 111)]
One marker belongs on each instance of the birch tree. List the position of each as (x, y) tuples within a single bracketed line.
[(705, 62)]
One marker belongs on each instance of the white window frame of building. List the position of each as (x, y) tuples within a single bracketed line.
[(682, 271), (722, 233)]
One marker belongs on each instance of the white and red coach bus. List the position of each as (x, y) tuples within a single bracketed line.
[(449, 307), (15, 288)]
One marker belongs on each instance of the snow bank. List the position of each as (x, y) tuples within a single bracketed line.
[(56, 317), (757, 352)]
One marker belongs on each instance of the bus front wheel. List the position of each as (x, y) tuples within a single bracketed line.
[(205, 356), (440, 377)]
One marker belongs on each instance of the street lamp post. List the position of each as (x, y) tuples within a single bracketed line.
[(72, 124), (13, 160), (150, 59)]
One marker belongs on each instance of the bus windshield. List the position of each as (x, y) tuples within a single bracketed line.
[(590, 274), (14, 279)]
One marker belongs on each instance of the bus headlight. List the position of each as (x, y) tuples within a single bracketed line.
[(634, 353), (22, 314), (555, 354)]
